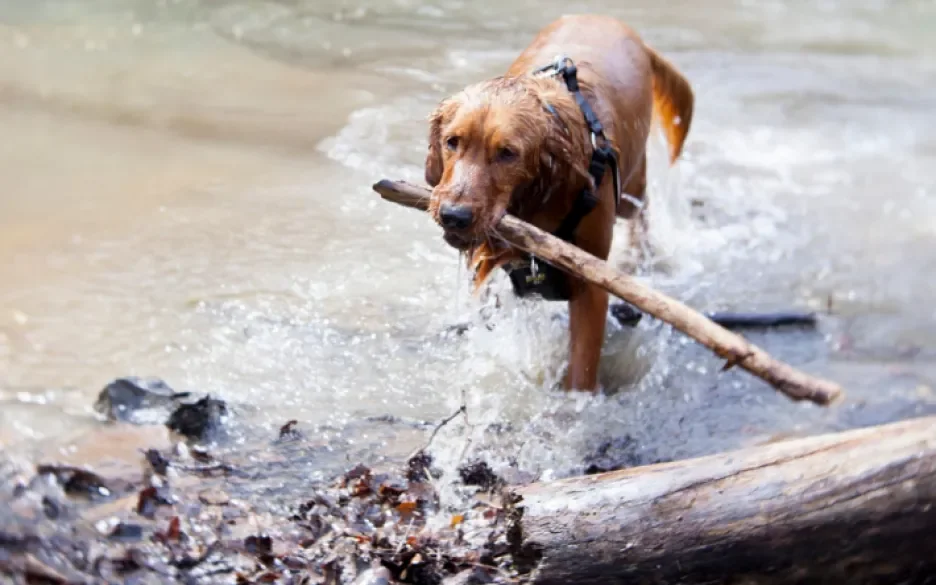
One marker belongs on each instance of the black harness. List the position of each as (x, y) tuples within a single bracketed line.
[(531, 276)]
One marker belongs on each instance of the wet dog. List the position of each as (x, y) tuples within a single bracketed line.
[(559, 141)]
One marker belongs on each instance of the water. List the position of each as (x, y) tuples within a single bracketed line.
[(185, 192)]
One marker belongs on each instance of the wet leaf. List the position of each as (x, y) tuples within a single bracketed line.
[(150, 498), (457, 519), (174, 532)]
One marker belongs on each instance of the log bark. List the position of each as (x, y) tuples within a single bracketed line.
[(726, 344), (853, 507)]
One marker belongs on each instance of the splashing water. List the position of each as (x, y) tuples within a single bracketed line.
[(228, 241)]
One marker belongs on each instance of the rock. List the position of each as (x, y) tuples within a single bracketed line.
[(214, 497), (138, 400), (201, 421), (126, 532), (479, 474), (76, 481), (626, 314), (374, 576), (616, 453), (468, 577)]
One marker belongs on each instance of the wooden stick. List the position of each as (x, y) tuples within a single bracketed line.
[(851, 507), (726, 344)]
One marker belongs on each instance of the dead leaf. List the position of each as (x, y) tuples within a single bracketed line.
[(457, 519), (175, 530)]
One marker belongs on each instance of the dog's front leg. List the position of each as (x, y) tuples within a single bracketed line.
[(588, 311)]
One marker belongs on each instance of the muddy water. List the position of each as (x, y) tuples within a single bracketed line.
[(184, 192)]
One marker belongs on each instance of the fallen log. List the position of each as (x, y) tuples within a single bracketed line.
[(726, 344), (852, 507)]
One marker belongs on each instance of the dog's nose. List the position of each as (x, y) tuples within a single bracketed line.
[(456, 217)]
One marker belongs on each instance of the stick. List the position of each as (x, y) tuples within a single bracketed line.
[(853, 507), (725, 344)]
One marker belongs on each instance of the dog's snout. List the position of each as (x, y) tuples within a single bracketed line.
[(456, 217)]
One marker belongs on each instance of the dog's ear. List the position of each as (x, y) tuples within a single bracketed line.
[(434, 164)]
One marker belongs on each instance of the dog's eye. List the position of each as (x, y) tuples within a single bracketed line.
[(452, 143), (505, 154)]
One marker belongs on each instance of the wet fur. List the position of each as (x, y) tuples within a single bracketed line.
[(536, 118)]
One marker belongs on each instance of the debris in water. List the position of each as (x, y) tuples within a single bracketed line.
[(158, 463), (616, 453), (200, 421), (124, 531), (479, 474), (288, 431), (151, 498)]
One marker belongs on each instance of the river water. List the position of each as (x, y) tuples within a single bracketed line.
[(185, 193)]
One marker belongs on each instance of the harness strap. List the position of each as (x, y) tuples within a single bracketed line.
[(548, 281), (602, 154)]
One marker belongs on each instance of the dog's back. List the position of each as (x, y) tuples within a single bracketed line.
[(631, 83)]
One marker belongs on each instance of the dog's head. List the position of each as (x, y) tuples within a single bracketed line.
[(503, 144)]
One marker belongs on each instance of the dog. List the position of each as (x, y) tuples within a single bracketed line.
[(560, 142)]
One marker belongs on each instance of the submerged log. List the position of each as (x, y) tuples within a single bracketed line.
[(628, 316), (736, 350), (852, 507)]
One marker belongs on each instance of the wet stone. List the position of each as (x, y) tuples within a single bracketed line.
[(479, 474), (76, 481), (199, 421), (214, 497), (126, 532), (616, 453), (138, 400)]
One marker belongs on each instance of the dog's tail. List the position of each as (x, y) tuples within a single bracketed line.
[(673, 101)]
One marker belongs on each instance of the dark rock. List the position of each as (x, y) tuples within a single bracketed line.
[(261, 546), (126, 532), (200, 421), (616, 453), (158, 463), (479, 474), (419, 467), (288, 431), (626, 314), (51, 508), (76, 481), (475, 576), (126, 399)]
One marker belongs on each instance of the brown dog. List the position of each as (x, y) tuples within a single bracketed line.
[(528, 143)]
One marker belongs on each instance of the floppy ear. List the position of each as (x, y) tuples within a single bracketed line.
[(434, 165)]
